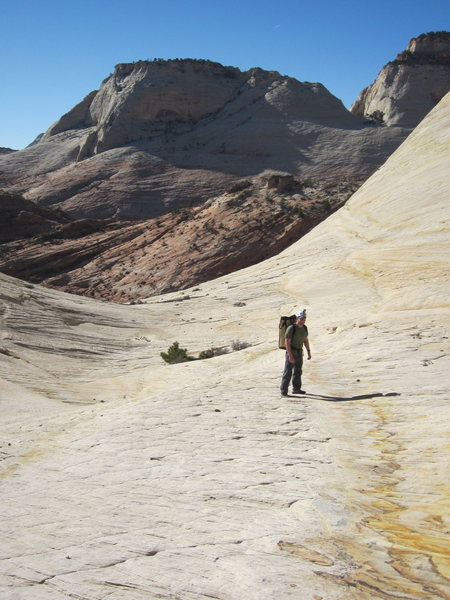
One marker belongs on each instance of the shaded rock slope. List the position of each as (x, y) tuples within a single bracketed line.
[(129, 261), (21, 218), (163, 134), (408, 87), (126, 477)]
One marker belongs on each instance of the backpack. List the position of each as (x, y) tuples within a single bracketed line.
[(284, 324)]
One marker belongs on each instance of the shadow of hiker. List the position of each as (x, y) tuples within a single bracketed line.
[(350, 398)]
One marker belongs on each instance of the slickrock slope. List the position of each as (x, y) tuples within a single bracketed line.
[(125, 261), (411, 85), (163, 134), (126, 478)]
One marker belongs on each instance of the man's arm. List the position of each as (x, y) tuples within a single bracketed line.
[(306, 343), (289, 350)]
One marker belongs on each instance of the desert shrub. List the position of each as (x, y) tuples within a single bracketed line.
[(298, 211), (220, 351), (175, 354), (212, 352), (185, 213), (283, 205), (238, 345), (376, 117), (239, 186), (209, 227)]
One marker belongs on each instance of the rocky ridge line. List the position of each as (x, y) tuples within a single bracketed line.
[(408, 87)]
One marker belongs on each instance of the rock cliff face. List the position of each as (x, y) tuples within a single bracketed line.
[(410, 86), (162, 134), (162, 99)]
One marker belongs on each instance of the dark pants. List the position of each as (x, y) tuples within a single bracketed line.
[(292, 367)]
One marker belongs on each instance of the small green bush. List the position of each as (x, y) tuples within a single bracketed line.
[(175, 354), (376, 117)]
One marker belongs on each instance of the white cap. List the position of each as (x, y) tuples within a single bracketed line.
[(301, 314)]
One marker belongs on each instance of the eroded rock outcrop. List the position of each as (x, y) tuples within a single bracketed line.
[(410, 86)]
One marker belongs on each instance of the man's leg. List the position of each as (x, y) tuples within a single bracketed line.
[(286, 377), (297, 379)]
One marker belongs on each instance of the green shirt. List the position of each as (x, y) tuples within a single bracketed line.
[(300, 335)]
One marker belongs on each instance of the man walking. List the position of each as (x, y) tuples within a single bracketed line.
[(296, 337)]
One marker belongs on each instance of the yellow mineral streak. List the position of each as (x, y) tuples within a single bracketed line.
[(305, 553), (414, 529)]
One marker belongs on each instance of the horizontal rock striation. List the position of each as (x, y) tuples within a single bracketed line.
[(125, 261)]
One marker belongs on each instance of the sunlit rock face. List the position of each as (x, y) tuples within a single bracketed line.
[(148, 100), (163, 134), (124, 475), (410, 86), (139, 99)]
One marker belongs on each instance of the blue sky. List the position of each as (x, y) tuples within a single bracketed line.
[(56, 51)]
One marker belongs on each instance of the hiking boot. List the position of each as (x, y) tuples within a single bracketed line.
[(298, 391), (284, 393)]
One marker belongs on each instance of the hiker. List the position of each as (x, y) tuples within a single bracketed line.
[(296, 338)]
